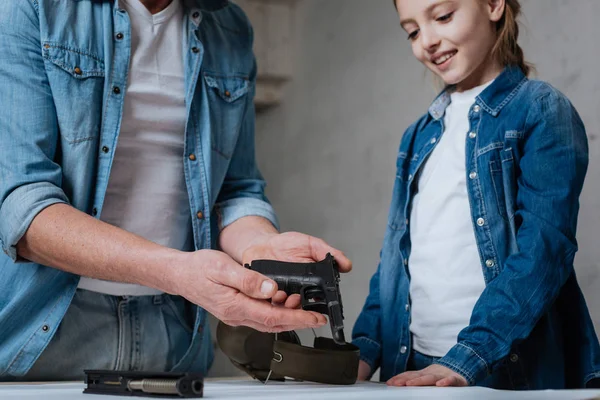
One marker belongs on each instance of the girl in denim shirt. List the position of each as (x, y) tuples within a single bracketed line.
[(476, 284)]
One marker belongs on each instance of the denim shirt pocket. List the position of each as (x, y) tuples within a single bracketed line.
[(226, 96), (76, 78), (504, 180)]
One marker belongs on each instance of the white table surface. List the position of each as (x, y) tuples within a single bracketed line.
[(244, 389)]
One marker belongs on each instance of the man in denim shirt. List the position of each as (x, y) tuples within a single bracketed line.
[(173, 81)]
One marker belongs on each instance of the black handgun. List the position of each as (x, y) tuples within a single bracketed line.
[(318, 284)]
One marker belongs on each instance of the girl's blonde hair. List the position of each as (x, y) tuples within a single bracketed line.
[(507, 50)]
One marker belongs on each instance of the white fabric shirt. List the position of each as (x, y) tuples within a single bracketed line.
[(146, 192), (445, 268)]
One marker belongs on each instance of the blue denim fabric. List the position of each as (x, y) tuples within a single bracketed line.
[(140, 333), (62, 64), (418, 361), (529, 148)]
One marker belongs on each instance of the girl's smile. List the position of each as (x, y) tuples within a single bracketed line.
[(454, 38), (443, 60)]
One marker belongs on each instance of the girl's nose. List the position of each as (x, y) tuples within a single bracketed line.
[(429, 40)]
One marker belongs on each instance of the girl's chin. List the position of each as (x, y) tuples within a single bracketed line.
[(449, 77), (452, 78)]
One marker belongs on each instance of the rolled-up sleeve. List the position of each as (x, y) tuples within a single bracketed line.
[(30, 179), (243, 191)]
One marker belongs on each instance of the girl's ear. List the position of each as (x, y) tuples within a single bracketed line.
[(495, 9)]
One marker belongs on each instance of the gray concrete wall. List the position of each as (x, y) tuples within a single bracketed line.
[(328, 153)]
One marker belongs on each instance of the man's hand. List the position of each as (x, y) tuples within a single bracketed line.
[(293, 247), (235, 295), (434, 375)]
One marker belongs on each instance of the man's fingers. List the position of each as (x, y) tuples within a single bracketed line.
[(257, 252), (293, 301), (269, 329), (267, 317), (319, 249), (249, 282), (280, 297)]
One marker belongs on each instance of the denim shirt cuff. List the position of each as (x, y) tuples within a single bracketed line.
[(465, 361), (231, 210), (20, 208), (370, 352)]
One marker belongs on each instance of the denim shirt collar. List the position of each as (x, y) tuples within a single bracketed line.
[(492, 99), (203, 5)]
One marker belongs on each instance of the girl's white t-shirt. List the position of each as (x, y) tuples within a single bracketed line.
[(445, 268)]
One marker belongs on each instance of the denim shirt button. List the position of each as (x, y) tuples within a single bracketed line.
[(403, 349), (480, 221), (476, 108), (489, 263), (472, 135), (473, 175), (433, 140), (45, 328), (514, 358), (406, 307)]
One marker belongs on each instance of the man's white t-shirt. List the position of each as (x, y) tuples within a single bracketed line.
[(445, 268), (146, 192)]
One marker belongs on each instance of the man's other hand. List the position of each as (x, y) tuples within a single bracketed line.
[(294, 247)]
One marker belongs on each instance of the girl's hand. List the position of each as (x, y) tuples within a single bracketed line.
[(364, 370), (434, 375)]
